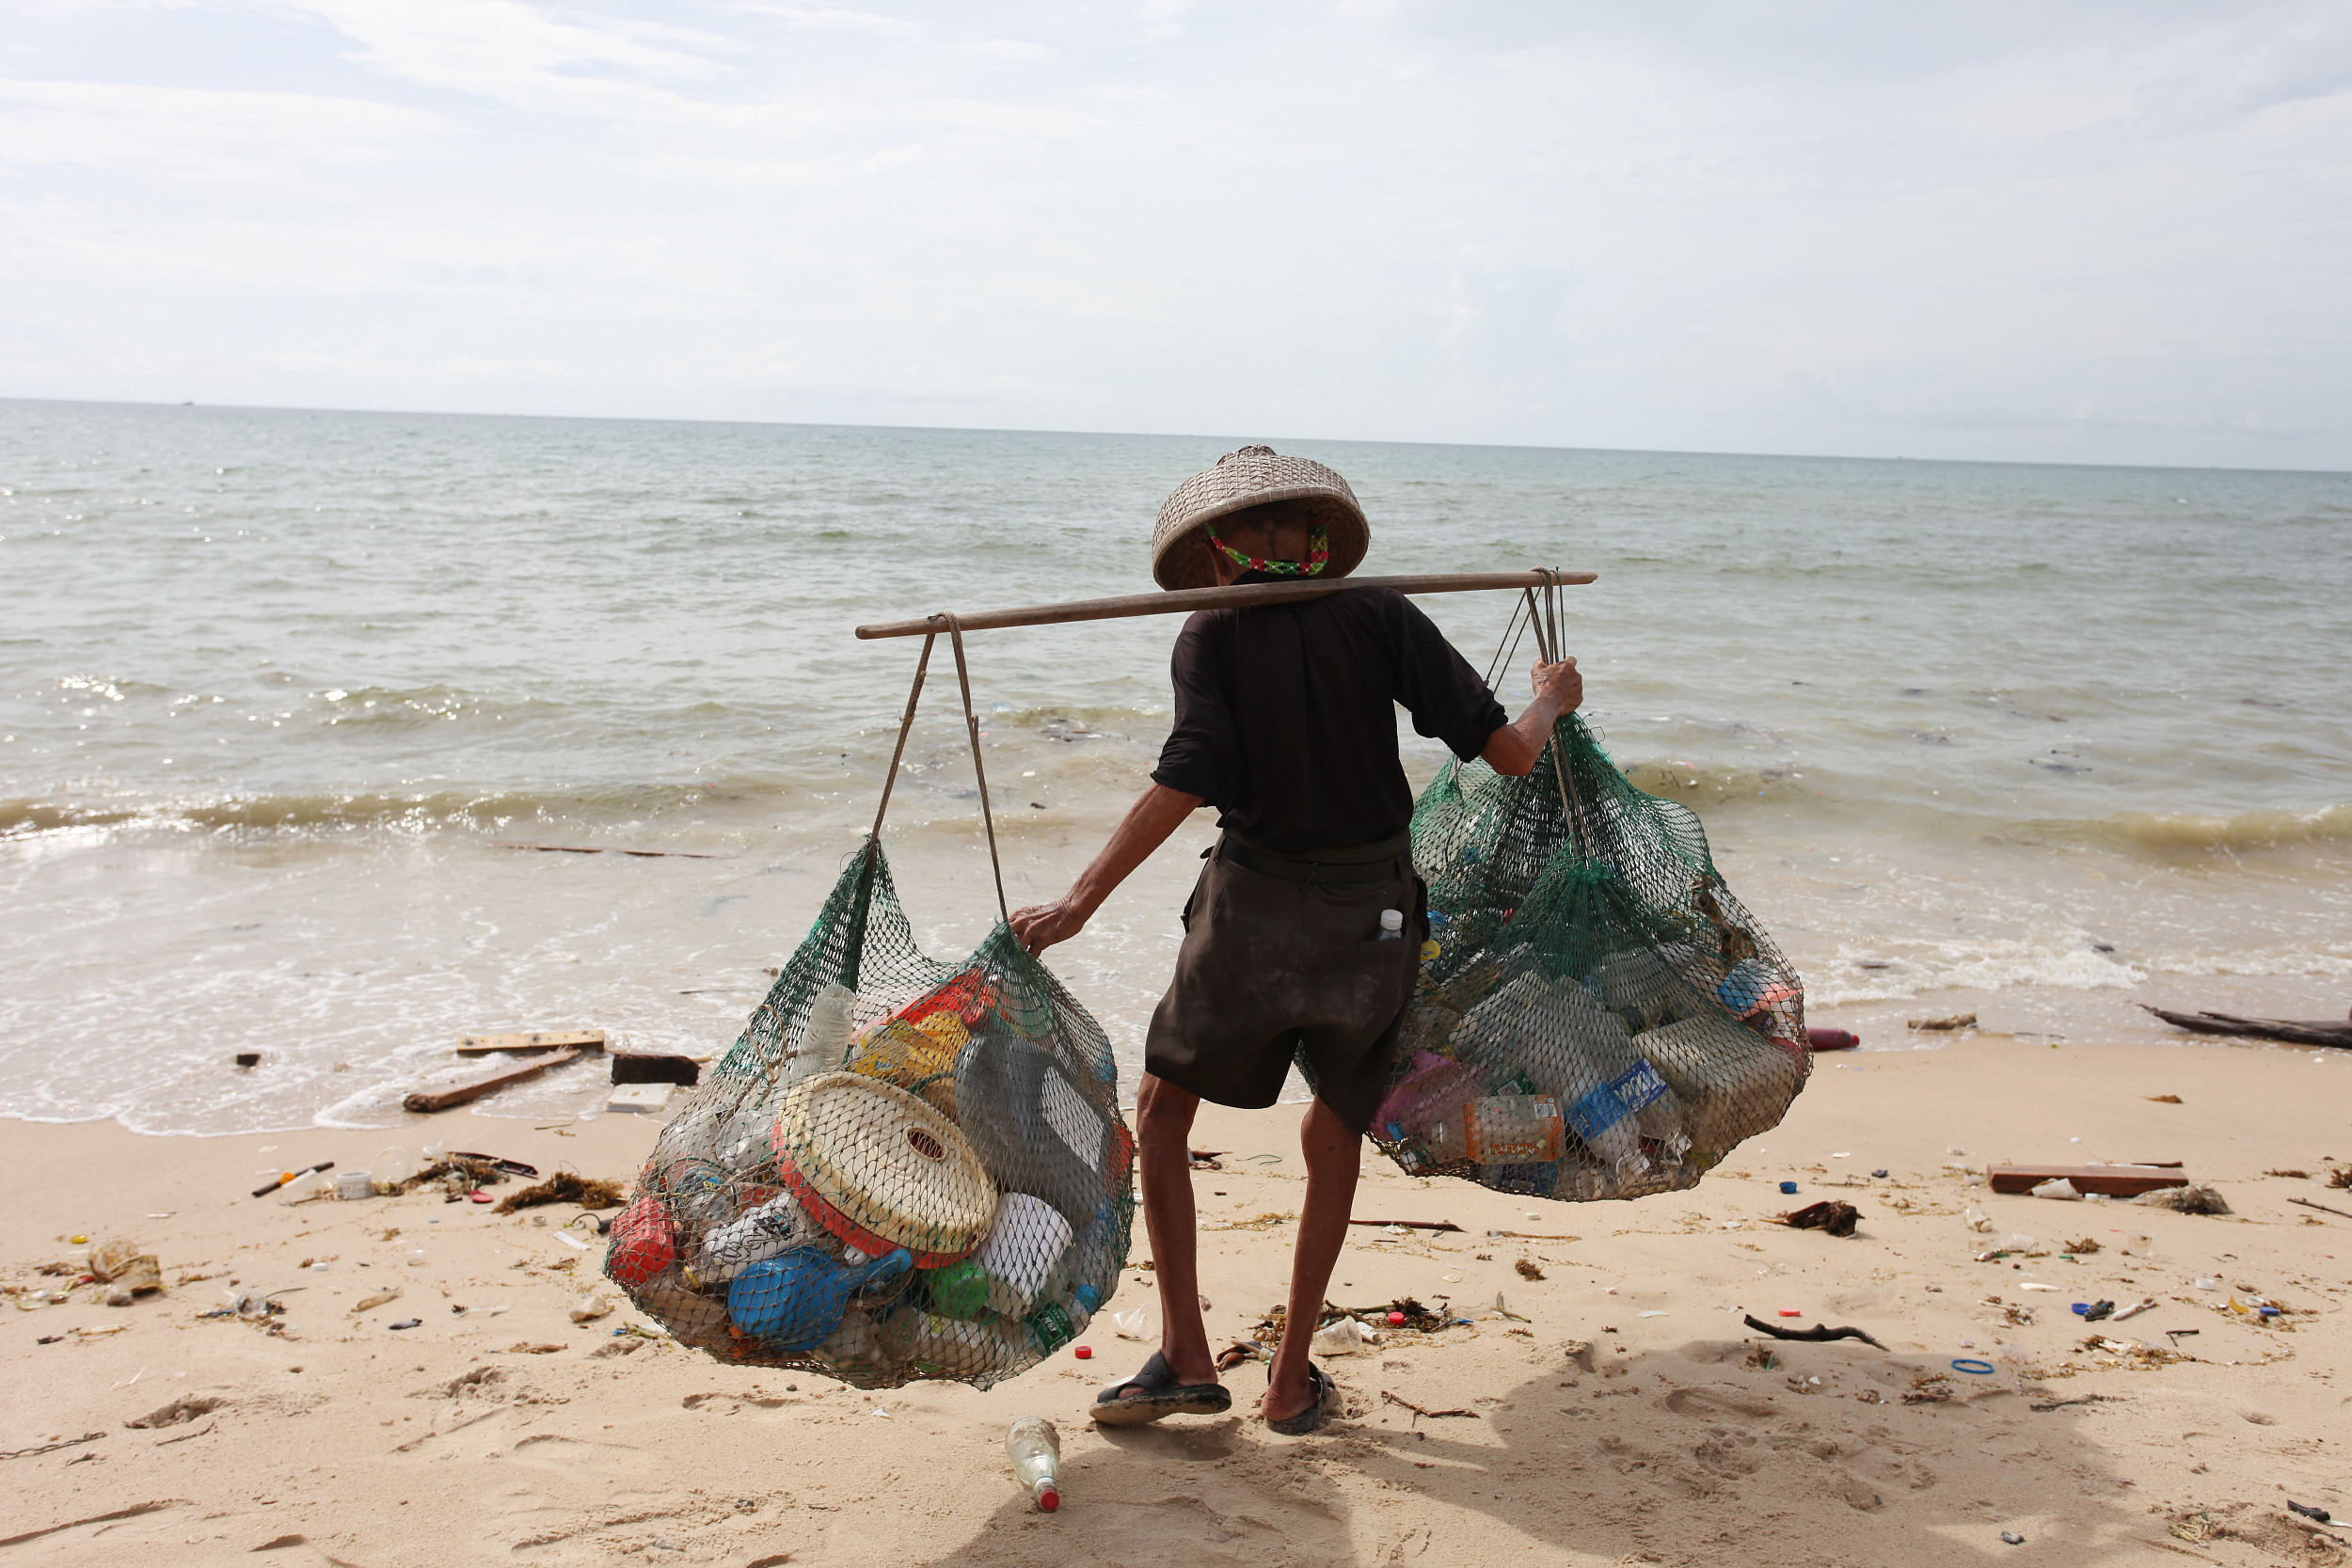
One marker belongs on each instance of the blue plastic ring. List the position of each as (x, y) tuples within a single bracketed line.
[(1980, 1368)]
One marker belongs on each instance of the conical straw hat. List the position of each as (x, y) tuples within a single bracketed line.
[(1252, 476)]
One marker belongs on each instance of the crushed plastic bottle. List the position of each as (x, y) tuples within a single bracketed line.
[(1035, 1449), (1343, 1336)]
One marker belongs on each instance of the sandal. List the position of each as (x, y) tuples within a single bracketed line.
[(1316, 1416), (1161, 1395)]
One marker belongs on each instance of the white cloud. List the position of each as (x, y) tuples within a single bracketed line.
[(2114, 231), (196, 133)]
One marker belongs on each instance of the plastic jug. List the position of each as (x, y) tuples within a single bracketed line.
[(793, 1302)]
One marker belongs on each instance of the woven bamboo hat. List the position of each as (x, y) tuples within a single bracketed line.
[(1252, 476)]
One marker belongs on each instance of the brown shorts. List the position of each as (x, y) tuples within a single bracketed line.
[(1275, 970)]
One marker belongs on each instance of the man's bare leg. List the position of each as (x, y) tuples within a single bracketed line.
[(1334, 1155), (1164, 1169)]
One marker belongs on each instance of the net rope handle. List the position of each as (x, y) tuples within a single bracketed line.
[(890, 779), (979, 769), (1545, 625), (972, 730)]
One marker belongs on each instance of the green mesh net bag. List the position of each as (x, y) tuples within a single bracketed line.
[(1599, 1017), (902, 1170)]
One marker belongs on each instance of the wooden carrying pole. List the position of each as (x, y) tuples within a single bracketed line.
[(1186, 599)]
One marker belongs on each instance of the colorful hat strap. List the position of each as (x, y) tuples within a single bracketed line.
[(1318, 555)]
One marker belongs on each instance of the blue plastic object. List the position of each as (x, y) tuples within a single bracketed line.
[(793, 1302), (1788, 1186), (1974, 1368)]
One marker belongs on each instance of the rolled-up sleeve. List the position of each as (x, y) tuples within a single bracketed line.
[(1445, 696), (1202, 755)]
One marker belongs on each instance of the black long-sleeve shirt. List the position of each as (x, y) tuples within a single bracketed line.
[(1285, 723)]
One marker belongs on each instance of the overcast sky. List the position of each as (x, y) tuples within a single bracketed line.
[(2091, 232)]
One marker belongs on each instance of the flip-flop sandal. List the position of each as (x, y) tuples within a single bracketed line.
[(1316, 1416), (1161, 1395)]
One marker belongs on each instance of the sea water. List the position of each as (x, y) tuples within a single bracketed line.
[(279, 690)]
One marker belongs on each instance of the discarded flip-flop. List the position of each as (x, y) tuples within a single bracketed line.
[(1157, 1394), (1313, 1419)]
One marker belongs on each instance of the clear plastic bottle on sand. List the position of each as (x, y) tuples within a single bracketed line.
[(1035, 1449)]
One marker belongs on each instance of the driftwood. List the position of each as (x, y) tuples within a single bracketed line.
[(533, 1040), (1818, 1333), (1413, 1225), (2111, 1181), (609, 850), (441, 1100), (2293, 1031)]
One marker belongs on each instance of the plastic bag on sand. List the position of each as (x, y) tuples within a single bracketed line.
[(903, 1169), (1598, 1015)]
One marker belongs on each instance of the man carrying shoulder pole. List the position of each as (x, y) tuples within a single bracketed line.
[(1285, 723)]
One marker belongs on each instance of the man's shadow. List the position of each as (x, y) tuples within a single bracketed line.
[(1705, 1453)]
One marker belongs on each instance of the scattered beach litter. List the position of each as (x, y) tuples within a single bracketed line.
[(288, 1179), (127, 1272), (2191, 1199), (1836, 1219), (566, 1187)]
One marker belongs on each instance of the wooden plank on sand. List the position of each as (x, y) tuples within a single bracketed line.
[(2112, 1181), (609, 849), (534, 1039), (441, 1100)]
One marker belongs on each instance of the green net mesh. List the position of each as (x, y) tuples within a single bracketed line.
[(1598, 1017), (903, 1169)]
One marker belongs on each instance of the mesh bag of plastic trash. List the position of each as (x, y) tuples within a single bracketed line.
[(1596, 1015), (902, 1170)]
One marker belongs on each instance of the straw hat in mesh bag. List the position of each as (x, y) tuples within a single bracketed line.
[(1252, 476)]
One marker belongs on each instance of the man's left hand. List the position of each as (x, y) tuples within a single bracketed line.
[(1041, 926)]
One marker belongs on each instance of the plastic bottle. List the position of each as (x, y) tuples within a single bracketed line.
[(1035, 1449), (826, 1040), (1392, 925)]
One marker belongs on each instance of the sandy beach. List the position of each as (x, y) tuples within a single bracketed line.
[(1631, 1416)]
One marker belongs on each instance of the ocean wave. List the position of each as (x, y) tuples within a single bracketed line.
[(417, 811), (1990, 966), (2190, 834)]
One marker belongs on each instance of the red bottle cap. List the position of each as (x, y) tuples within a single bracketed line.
[(1049, 1500), (1791, 1312), (1396, 1318), (1084, 1352)]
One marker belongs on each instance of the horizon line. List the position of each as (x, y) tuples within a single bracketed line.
[(1159, 436)]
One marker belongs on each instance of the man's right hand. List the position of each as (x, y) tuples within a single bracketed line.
[(1560, 684), (1513, 748)]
